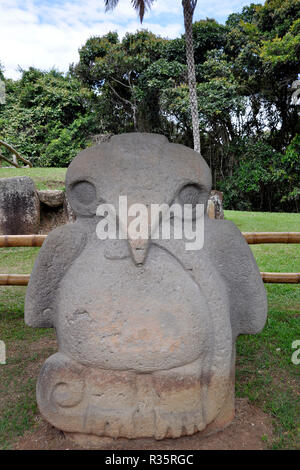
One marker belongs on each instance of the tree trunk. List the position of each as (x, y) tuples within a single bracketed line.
[(188, 11), (14, 152)]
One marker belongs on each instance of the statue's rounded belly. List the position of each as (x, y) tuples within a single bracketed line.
[(149, 318)]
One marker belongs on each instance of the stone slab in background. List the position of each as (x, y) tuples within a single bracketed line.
[(52, 198), (54, 210), (211, 212), (19, 206), (215, 205)]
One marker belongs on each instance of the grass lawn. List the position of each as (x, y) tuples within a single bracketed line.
[(44, 178), (265, 373)]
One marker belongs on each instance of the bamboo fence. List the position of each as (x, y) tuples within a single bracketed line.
[(252, 238)]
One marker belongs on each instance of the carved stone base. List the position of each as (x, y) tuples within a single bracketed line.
[(91, 441), (164, 404)]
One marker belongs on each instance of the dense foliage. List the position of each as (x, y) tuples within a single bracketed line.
[(249, 121), (47, 116)]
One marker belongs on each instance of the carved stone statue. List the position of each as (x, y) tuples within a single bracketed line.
[(146, 329)]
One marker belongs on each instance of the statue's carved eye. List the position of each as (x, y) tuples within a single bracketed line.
[(83, 198), (193, 194), (84, 192)]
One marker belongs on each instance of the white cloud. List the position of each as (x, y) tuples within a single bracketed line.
[(220, 9), (47, 34)]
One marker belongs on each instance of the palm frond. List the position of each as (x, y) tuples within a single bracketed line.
[(141, 6), (110, 4)]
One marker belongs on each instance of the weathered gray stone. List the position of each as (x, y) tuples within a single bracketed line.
[(146, 341), (211, 210), (99, 138), (19, 206), (52, 198), (70, 214), (216, 197)]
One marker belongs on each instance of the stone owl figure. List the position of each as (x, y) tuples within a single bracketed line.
[(146, 330)]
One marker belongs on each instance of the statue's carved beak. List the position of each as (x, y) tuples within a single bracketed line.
[(139, 249), (139, 245)]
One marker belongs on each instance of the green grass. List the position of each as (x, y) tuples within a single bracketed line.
[(265, 373), (264, 221), (44, 178), (18, 409), (18, 382), (274, 257)]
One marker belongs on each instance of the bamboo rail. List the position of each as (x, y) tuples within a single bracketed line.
[(251, 238), (14, 279), (268, 278), (281, 278), (254, 238), (21, 240)]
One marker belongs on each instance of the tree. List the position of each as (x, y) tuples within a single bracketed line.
[(1, 71), (188, 12), (47, 117), (246, 73), (257, 182), (15, 154), (119, 72)]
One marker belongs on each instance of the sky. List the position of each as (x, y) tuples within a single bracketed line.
[(48, 33)]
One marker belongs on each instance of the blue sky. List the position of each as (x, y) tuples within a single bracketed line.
[(48, 33)]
